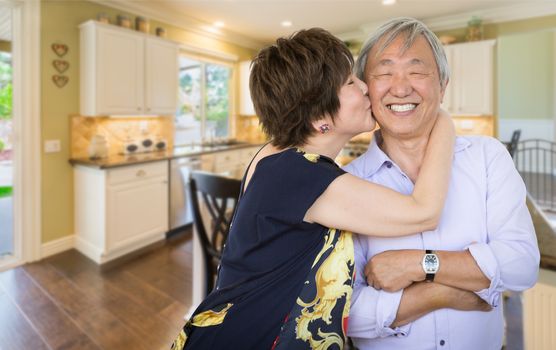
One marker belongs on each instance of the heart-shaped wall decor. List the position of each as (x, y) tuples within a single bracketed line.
[(60, 49), (60, 80), (60, 65)]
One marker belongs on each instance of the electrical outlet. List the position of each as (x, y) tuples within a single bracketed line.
[(52, 146)]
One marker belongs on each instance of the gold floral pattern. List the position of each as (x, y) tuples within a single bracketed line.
[(312, 157), (204, 319), (333, 280)]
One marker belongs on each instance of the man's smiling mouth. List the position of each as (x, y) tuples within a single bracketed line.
[(402, 108)]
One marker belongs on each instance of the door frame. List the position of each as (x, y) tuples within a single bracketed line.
[(27, 137)]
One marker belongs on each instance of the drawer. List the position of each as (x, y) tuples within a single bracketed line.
[(227, 157), (137, 172)]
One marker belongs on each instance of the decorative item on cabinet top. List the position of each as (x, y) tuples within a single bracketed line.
[(141, 24), (160, 32), (124, 21), (103, 18)]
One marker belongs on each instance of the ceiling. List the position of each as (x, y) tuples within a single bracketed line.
[(261, 19), (253, 23)]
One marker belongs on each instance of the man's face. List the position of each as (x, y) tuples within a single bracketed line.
[(404, 88)]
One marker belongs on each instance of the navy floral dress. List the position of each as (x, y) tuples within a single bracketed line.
[(283, 283)]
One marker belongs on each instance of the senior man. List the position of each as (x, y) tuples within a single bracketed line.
[(439, 289)]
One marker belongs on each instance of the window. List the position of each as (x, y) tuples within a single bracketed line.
[(204, 101)]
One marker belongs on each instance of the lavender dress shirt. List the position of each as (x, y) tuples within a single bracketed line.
[(486, 213)]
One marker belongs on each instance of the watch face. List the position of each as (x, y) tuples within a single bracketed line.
[(430, 264)]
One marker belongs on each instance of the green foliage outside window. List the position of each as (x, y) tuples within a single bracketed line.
[(204, 91), (217, 97), (6, 87)]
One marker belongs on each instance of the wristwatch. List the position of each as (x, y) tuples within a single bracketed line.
[(430, 265)]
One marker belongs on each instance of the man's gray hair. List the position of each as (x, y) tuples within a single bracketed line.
[(410, 28)]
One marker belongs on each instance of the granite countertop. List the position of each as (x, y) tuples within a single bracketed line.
[(546, 237), (131, 159)]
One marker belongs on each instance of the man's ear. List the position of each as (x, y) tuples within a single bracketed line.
[(443, 91)]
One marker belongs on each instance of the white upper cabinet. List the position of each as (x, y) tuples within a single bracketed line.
[(126, 73), (470, 90), (161, 76), (245, 103)]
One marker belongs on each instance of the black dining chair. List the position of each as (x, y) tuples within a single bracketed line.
[(219, 195), (512, 145)]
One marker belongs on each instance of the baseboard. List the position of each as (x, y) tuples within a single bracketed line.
[(57, 246)]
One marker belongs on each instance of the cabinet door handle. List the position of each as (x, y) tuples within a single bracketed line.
[(141, 173)]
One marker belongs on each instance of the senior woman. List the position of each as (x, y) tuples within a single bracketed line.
[(287, 270)]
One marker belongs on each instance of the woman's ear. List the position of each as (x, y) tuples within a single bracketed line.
[(322, 126)]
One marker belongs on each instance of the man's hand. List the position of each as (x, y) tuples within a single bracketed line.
[(423, 297), (463, 300), (393, 270)]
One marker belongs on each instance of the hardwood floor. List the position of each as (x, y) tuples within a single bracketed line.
[(67, 302)]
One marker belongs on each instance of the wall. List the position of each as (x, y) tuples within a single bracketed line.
[(526, 84), (524, 67), (59, 23)]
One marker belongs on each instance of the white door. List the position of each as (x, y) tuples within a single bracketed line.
[(120, 72), (136, 210), (161, 77)]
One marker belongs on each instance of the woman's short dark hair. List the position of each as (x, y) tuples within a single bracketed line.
[(296, 81)]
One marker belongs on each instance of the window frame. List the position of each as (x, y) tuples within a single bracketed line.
[(224, 61)]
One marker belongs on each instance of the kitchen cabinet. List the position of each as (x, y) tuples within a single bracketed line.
[(227, 163), (233, 163), (124, 72), (470, 89), (120, 210), (245, 103)]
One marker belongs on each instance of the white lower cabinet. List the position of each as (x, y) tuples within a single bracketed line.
[(120, 210), (233, 163)]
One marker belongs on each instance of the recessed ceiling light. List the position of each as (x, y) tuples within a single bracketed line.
[(286, 23), (388, 2), (218, 24)]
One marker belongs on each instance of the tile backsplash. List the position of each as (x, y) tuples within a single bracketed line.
[(117, 132)]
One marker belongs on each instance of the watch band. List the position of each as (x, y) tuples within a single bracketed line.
[(429, 277)]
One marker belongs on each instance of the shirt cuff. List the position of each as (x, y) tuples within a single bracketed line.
[(386, 314), (488, 264)]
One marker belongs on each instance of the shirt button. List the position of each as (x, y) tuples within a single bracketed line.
[(388, 164), (442, 342)]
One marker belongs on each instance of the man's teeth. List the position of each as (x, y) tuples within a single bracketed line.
[(403, 108)]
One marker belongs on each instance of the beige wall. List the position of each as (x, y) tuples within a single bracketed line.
[(59, 23)]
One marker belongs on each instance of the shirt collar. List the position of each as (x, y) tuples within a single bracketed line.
[(375, 157)]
